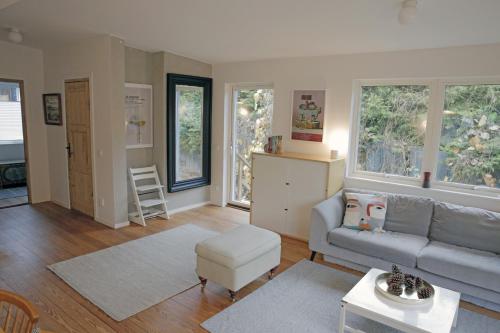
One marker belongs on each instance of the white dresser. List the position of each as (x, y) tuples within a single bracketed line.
[(286, 186)]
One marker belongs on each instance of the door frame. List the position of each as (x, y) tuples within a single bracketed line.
[(89, 79), (231, 130), (25, 132)]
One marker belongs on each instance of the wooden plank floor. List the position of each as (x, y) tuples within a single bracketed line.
[(34, 236)]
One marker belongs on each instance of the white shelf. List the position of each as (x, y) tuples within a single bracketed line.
[(152, 202)]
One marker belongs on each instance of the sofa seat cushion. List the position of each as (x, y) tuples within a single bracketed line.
[(391, 246), (479, 268), (238, 246)]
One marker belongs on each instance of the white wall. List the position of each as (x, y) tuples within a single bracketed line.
[(102, 60), (336, 75), (24, 63), (138, 69)]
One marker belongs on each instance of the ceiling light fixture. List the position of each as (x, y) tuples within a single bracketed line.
[(408, 11), (15, 35)]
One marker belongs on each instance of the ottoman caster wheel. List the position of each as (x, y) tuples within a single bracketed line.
[(233, 294), (203, 282), (270, 275)]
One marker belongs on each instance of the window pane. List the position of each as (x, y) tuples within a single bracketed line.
[(469, 152), (11, 125), (189, 156), (392, 129), (252, 115)]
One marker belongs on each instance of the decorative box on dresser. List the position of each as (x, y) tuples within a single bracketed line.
[(286, 186)]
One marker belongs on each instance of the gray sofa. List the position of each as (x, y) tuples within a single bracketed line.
[(451, 246)]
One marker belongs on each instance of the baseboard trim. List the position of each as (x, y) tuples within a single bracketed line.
[(60, 203), (104, 222), (188, 207), (122, 225), (111, 224)]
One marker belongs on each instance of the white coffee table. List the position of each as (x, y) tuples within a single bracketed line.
[(436, 316)]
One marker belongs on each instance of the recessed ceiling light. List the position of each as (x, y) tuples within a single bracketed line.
[(408, 11)]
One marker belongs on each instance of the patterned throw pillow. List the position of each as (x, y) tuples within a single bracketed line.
[(365, 211)]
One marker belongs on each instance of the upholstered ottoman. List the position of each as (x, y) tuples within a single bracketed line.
[(237, 257)]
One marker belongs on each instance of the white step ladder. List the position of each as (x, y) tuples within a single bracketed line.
[(147, 208)]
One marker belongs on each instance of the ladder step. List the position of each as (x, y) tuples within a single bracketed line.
[(152, 202), (147, 213), (144, 188)]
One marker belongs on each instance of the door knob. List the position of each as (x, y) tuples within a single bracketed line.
[(68, 148)]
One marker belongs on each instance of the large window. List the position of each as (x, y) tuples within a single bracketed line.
[(11, 124), (189, 132), (451, 129), (392, 129), (469, 151)]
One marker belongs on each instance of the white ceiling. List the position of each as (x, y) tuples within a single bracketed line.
[(232, 30)]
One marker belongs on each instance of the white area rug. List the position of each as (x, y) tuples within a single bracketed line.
[(128, 278), (306, 299)]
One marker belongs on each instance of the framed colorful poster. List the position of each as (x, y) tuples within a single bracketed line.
[(308, 113), (139, 115)]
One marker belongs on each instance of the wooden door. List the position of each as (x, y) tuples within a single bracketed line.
[(77, 101), (269, 192)]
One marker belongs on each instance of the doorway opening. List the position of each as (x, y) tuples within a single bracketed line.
[(14, 189), (252, 111)]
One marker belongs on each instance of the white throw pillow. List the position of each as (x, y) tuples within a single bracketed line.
[(365, 211)]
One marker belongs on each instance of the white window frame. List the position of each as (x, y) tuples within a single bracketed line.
[(432, 139)]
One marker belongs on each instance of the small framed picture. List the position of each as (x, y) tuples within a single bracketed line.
[(52, 109)]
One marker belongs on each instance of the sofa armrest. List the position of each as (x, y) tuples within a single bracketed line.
[(325, 216)]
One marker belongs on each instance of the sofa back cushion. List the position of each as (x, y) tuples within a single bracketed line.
[(405, 213), (466, 226), (409, 214)]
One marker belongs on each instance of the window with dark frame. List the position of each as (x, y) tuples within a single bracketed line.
[(189, 100)]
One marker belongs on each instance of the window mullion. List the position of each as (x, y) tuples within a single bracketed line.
[(433, 128)]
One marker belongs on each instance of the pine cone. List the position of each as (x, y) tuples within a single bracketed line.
[(395, 289), (395, 269), (410, 283), (418, 282), (409, 290), (397, 278), (409, 276), (424, 292)]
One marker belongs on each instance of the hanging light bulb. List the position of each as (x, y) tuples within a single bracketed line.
[(15, 35), (408, 11)]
